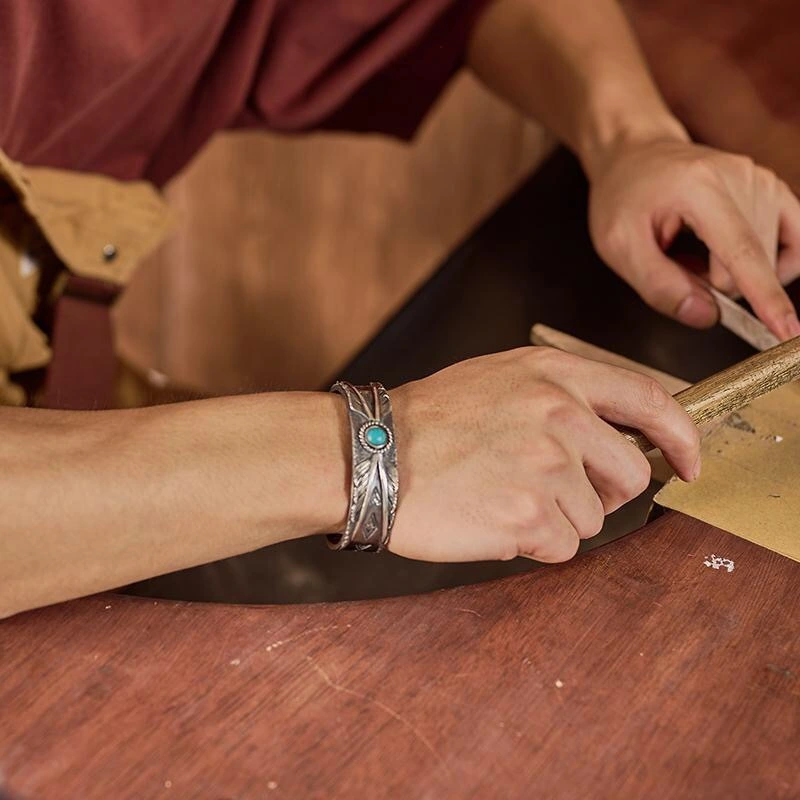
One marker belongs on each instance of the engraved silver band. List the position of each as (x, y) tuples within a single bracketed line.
[(374, 485)]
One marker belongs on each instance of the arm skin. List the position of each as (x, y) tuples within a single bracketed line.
[(575, 66), (92, 501), (95, 500)]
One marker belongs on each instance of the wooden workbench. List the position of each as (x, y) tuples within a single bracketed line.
[(633, 671)]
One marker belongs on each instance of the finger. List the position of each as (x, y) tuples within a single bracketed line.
[(664, 284), (580, 504), (720, 278), (617, 471), (638, 401), (788, 235), (668, 230), (766, 223), (717, 220), (754, 191), (763, 214), (554, 541)]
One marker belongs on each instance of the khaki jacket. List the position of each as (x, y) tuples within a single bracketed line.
[(53, 220)]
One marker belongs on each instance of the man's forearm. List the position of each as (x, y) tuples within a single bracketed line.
[(91, 501), (575, 66)]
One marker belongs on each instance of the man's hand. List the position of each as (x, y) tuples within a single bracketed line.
[(512, 454), (644, 193), (575, 65)]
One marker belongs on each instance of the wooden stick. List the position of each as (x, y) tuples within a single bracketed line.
[(734, 387)]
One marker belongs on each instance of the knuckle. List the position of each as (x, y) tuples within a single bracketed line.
[(704, 170), (747, 248), (552, 548), (784, 189), (534, 353), (593, 523), (567, 548), (744, 162), (547, 359), (612, 238), (613, 233), (635, 481), (722, 280), (653, 397), (551, 458), (562, 410), (528, 512), (556, 403), (640, 480), (766, 176)]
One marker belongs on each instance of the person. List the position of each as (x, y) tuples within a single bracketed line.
[(505, 455)]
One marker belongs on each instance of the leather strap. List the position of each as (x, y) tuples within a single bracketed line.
[(82, 371)]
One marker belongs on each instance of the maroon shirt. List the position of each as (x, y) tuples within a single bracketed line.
[(133, 88)]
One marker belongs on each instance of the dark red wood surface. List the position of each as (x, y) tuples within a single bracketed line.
[(634, 671)]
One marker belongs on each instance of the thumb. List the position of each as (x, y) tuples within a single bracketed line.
[(667, 287)]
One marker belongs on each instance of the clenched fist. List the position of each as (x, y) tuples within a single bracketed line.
[(513, 454)]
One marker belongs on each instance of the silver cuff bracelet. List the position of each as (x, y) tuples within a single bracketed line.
[(374, 485)]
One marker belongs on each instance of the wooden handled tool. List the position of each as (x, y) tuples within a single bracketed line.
[(734, 387)]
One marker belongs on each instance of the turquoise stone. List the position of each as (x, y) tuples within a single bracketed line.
[(376, 436)]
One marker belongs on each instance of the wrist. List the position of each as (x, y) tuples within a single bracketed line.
[(328, 489), (611, 125)]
